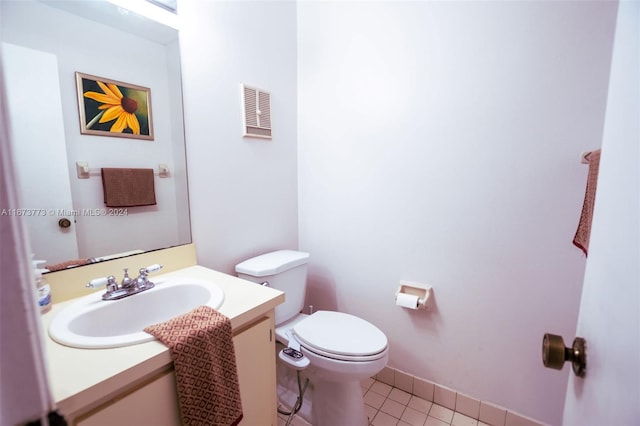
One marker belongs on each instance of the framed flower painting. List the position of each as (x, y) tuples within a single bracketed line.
[(113, 108)]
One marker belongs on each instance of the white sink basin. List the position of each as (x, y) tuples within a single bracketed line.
[(90, 322)]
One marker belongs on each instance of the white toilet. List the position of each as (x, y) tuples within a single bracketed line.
[(342, 349)]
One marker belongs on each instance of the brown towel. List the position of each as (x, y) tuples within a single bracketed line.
[(205, 366), (128, 187), (69, 263), (581, 239)]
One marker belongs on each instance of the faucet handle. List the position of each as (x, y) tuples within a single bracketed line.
[(146, 271), (109, 281), (142, 281), (98, 282), (152, 268)]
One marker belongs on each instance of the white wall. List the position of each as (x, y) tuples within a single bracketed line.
[(242, 191), (439, 142), (93, 48), (610, 308)]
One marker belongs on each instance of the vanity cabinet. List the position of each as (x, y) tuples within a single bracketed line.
[(155, 401), (256, 364)]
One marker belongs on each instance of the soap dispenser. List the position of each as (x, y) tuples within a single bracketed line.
[(43, 288)]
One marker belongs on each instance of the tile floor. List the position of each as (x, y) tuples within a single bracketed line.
[(389, 406)]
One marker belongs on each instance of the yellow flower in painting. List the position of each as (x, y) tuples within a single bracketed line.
[(116, 107)]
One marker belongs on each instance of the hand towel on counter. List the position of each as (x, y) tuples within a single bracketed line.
[(581, 239), (128, 187), (202, 350)]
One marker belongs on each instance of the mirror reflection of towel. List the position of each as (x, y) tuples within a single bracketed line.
[(128, 187), (583, 233)]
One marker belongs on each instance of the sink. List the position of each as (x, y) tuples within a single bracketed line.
[(90, 322)]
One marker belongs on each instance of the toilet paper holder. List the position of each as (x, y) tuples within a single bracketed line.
[(422, 291)]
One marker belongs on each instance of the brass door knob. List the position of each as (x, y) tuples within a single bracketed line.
[(554, 353), (64, 223)]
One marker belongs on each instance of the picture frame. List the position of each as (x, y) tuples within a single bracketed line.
[(113, 108)]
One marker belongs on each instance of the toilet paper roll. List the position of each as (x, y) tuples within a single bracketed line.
[(405, 300)]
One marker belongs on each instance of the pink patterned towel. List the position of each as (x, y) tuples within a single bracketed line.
[(205, 366), (581, 239)]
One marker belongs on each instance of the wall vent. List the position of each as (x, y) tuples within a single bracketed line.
[(256, 108)]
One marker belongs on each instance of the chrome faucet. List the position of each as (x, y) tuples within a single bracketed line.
[(126, 280), (128, 286)]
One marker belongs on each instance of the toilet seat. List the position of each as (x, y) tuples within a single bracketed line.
[(341, 336)]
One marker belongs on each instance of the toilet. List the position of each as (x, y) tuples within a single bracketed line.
[(341, 349)]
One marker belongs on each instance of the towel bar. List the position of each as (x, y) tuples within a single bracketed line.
[(84, 172)]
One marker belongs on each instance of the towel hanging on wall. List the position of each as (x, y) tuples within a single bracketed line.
[(581, 239), (128, 187)]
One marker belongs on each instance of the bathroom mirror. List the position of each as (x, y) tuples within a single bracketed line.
[(44, 43)]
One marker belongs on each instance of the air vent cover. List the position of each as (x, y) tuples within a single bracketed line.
[(257, 112)]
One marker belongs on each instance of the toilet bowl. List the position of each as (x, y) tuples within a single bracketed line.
[(339, 346), (342, 349)]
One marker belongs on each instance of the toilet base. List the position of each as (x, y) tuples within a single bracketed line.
[(338, 404)]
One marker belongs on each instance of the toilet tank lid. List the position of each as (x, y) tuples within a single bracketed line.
[(272, 263)]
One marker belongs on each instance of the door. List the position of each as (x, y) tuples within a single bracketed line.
[(609, 316), (39, 151)]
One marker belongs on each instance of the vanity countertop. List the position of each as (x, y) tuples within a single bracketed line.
[(81, 377)]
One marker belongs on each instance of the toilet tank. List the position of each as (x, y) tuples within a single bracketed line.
[(284, 270)]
